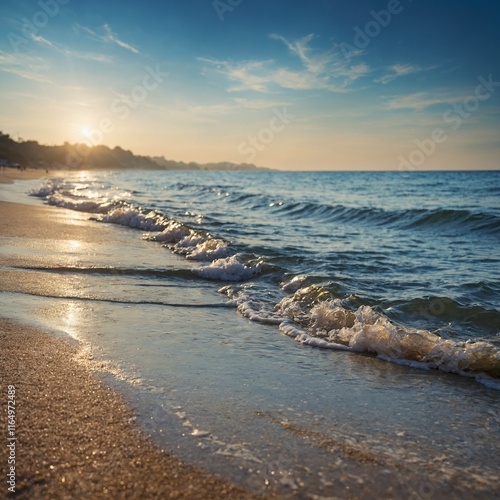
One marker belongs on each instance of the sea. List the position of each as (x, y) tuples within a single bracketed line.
[(308, 333)]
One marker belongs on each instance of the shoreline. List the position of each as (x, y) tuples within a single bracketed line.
[(75, 435), (42, 246), (9, 174)]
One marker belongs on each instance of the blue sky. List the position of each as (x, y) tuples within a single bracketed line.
[(322, 84)]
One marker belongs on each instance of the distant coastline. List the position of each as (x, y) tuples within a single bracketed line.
[(80, 156)]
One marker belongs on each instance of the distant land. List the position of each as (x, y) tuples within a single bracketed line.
[(30, 153)]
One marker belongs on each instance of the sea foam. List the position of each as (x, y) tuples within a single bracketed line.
[(329, 324), (228, 269), (209, 250), (173, 232), (135, 218)]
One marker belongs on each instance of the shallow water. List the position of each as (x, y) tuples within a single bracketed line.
[(214, 377)]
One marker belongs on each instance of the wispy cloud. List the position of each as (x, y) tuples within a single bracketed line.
[(43, 41), (24, 66), (87, 56), (397, 71), (322, 70), (27, 75), (113, 38), (314, 64), (257, 104), (107, 36), (421, 100), (400, 70), (250, 75)]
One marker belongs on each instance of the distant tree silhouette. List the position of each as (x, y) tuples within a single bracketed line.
[(32, 154)]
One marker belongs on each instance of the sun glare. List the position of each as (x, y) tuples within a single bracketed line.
[(85, 131)]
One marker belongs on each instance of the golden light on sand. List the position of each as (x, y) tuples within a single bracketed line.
[(74, 245), (71, 318)]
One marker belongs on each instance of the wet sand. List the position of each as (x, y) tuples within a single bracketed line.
[(76, 437), (8, 175)]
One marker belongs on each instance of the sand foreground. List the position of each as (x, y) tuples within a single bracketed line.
[(74, 436), (8, 175)]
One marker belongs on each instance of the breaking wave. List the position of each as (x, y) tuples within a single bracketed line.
[(305, 311), (310, 317)]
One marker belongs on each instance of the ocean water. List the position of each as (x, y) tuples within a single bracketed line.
[(288, 329)]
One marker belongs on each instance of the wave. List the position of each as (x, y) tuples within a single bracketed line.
[(209, 250), (311, 317), (136, 218), (449, 310), (63, 194), (228, 269), (309, 312), (464, 219), (194, 244), (438, 218), (458, 220)]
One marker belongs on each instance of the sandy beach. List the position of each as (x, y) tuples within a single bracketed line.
[(74, 436), (133, 379), (8, 175)]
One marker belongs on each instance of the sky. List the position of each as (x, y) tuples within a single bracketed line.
[(287, 84)]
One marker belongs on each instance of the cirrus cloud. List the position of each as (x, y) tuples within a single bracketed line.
[(322, 70)]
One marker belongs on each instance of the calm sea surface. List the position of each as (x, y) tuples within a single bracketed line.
[(271, 320)]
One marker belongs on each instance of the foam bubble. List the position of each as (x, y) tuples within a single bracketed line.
[(133, 217), (330, 325), (303, 337), (209, 250), (294, 284), (189, 243), (83, 205), (451, 356), (228, 269), (45, 189), (172, 233)]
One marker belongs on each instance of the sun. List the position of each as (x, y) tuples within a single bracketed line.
[(86, 131)]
